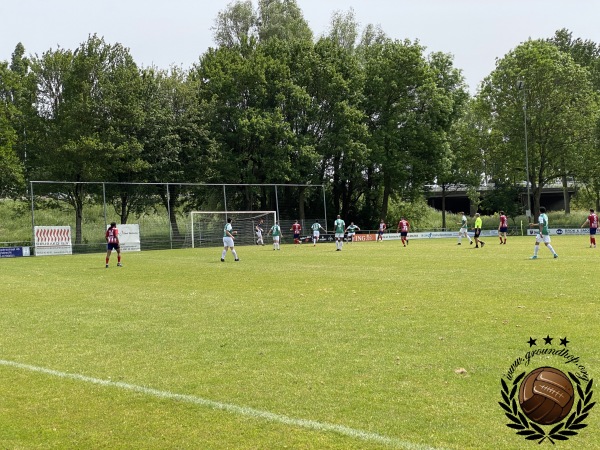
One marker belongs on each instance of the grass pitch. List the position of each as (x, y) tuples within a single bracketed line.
[(377, 346)]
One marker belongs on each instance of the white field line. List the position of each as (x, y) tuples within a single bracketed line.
[(235, 409)]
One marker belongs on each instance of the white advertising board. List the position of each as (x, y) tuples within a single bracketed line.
[(129, 237), (560, 231), (436, 235), (53, 240)]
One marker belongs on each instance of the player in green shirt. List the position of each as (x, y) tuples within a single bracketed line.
[(316, 227), (339, 227), (463, 229), (351, 230), (228, 238), (276, 232), (477, 227), (544, 234)]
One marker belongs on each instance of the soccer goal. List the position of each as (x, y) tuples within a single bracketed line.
[(207, 226)]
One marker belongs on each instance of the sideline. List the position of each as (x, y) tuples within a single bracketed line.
[(239, 410)]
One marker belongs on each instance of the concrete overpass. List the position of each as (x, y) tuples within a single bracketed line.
[(457, 199)]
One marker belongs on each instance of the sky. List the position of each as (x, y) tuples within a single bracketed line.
[(178, 32)]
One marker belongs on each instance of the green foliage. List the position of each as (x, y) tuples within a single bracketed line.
[(561, 110), (372, 118), (503, 197), (420, 216), (11, 167)]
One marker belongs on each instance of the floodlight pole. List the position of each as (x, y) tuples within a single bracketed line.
[(520, 86)]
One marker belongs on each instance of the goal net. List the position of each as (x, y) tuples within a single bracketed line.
[(207, 226)]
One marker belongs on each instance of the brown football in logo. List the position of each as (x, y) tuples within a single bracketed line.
[(546, 395)]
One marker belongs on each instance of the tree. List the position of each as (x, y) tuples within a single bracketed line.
[(561, 109), (458, 161), (239, 25), (235, 25), (337, 124), (343, 29), (283, 20), (463, 166), (86, 102), (408, 115), (176, 146), (586, 53), (11, 169)]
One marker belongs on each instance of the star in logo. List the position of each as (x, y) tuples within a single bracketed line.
[(531, 342), (564, 341), (548, 340)]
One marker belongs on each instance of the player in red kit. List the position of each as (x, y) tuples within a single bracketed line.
[(403, 227), (502, 227), (592, 220), (296, 229), (112, 243)]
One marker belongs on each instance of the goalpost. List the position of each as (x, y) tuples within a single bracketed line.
[(207, 226)]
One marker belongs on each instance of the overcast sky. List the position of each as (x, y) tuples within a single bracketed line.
[(163, 33)]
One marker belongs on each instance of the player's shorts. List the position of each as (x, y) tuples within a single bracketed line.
[(316, 234), (339, 235), (228, 241), (503, 229), (259, 234), (276, 239), (463, 231), (112, 246), (350, 235), (296, 235), (380, 232), (477, 232), (593, 230), (404, 233), (545, 238)]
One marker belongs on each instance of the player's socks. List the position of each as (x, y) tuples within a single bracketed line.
[(234, 254), (551, 249), (107, 261), (536, 248), (223, 253)]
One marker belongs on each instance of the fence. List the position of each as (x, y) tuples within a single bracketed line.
[(162, 209)]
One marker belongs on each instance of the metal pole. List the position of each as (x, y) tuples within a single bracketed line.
[(324, 205), (169, 217), (526, 156), (104, 204), (521, 85), (225, 200), (276, 203), (32, 217)]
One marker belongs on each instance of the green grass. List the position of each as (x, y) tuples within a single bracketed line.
[(369, 338)]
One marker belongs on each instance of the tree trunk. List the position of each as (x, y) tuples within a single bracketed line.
[(386, 197), (301, 200), (124, 207), (443, 207), (566, 196), (537, 197), (77, 202)]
